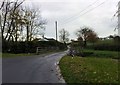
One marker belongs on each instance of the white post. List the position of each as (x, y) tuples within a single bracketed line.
[(119, 18)]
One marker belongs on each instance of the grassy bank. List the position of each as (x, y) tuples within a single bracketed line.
[(89, 70)]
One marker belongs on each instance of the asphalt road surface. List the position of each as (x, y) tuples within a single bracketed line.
[(33, 69)]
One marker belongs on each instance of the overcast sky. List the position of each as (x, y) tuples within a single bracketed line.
[(97, 14)]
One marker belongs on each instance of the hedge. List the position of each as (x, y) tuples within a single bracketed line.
[(110, 47), (30, 47)]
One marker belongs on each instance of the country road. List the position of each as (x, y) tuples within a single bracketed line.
[(33, 69)]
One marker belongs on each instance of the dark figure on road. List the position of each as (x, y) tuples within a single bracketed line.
[(72, 52)]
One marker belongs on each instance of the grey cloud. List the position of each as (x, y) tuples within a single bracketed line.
[(62, 10)]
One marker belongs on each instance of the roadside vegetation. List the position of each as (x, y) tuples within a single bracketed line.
[(11, 55), (0, 54), (91, 60), (101, 54), (89, 70)]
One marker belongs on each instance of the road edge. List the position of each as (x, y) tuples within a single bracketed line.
[(60, 77)]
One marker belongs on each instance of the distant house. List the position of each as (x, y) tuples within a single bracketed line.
[(45, 39), (42, 39), (50, 39)]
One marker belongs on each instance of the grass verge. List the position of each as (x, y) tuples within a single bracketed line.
[(0, 54), (8, 55), (103, 54), (89, 70)]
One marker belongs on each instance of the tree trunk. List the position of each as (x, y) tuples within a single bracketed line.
[(16, 37), (27, 32), (85, 43)]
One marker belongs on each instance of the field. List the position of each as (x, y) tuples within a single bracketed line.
[(89, 70), (103, 54)]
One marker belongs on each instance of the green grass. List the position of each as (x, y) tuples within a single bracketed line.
[(103, 54), (105, 42), (89, 70), (0, 54), (7, 55)]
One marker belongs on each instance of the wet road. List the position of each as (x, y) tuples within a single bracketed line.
[(33, 69)]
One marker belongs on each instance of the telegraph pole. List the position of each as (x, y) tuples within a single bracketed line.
[(56, 29), (56, 35)]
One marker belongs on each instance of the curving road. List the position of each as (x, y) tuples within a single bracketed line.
[(33, 69)]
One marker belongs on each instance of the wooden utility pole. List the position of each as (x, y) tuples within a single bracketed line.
[(56, 29)]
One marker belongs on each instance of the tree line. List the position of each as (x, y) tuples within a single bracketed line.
[(19, 22), (88, 38), (83, 34)]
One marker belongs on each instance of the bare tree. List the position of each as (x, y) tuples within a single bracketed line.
[(15, 18), (87, 34), (34, 22), (64, 34), (92, 37), (9, 18)]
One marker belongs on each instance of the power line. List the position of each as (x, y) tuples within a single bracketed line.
[(86, 12), (82, 10)]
